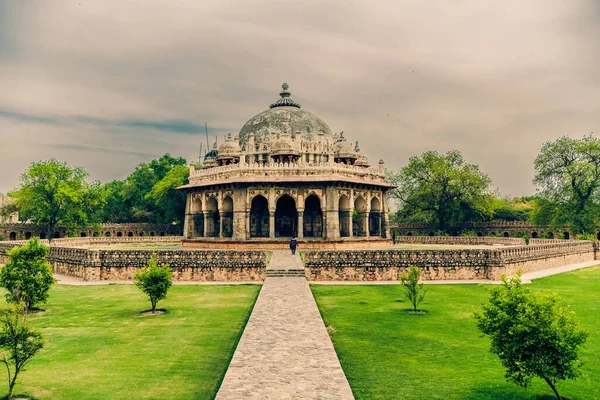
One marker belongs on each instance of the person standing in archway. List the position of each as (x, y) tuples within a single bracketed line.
[(293, 245)]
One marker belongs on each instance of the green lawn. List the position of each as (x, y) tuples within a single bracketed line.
[(390, 354), (99, 346)]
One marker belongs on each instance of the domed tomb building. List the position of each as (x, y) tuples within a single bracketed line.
[(286, 174)]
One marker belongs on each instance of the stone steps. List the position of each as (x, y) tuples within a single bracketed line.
[(282, 273)]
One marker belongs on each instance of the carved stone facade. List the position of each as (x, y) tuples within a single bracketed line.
[(269, 185)]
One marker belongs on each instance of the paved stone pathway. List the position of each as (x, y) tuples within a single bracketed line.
[(285, 351)]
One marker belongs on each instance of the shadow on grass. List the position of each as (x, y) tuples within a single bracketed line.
[(149, 313), (413, 312), (505, 393), (20, 396)]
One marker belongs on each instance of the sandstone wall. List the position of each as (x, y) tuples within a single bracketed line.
[(372, 265), (192, 265), (461, 240)]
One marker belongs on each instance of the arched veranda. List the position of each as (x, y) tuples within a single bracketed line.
[(286, 217), (259, 217), (313, 217)]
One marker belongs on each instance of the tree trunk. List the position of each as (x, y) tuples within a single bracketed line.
[(153, 306), (11, 385), (549, 382)]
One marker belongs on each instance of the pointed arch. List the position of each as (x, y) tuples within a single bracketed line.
[(259, 217), (286, 216), (345, 216), (359, 217), (375, 217), (212, 216), (227, 216), (313, 217)]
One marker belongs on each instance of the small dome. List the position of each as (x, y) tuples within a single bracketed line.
[(343, 148), (210, 158), (230, 149), (284, 146)]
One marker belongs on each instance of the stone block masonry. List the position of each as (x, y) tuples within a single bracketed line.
[(187, 265), (374, 265)]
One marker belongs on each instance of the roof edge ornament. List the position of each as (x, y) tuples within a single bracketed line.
[(285, 100)]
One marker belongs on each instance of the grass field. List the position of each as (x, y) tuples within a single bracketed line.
[(387, 353), (99, 345)]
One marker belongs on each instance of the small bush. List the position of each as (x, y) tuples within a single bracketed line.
[(154, 281), (27, 276), (415, 291), (18, 344)]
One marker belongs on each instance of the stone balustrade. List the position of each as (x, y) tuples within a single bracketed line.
[(461, 240), (366, 265), (284, 169), (67, 256)]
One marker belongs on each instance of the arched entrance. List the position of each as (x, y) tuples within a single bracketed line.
[(345, 216), (12, 236), (375, 217), (286, 217), (313, 217), (197, 228), (259, 217), (359, 217), (567, 235), (213, 217), (227, 217)]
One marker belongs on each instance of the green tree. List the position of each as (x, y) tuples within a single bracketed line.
[(147, 194), (516, 209), (18, 344), (568, 173), (532, 333), (167, 198), (53, 193), (154, 281), (27, 276), (415, 291), (442, 190)]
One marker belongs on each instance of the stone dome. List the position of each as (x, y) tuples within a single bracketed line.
[(284, 115), (229, 149), (284, 146)]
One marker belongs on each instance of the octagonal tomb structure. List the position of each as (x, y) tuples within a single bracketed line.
[(286, 175)]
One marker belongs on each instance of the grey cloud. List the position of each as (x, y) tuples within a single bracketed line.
[(493, 80)]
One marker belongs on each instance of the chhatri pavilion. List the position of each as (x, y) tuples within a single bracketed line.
[(286, 174)]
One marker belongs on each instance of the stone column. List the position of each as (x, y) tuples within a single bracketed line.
[(188, 221), (300, 227), (350, 223), (221, 219), (271, 224), (365, 220), (385, 229), (205, 223), (331, 218)]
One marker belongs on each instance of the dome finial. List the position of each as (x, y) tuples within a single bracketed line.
[(285, 100)]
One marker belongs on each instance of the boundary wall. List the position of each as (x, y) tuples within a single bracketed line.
[(69, 257), (461, 264)]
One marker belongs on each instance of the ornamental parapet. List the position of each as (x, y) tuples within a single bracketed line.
[(233, 171)]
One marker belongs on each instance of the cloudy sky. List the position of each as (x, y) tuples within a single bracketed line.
[(107, 84)]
